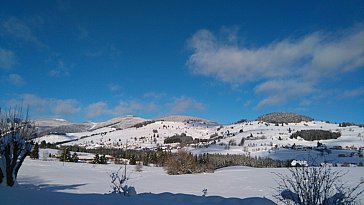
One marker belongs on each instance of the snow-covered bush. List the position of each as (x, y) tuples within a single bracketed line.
[(204, 192), (15, 134), (316, 185), (119, 184)]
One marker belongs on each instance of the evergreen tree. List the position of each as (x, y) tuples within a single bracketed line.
[(43, 144), (96, 159), (132, 160), (34, 154), (65, 155), (74, 157), (103, 159), (242, 141)]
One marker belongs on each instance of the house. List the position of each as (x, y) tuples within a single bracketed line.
[(299, 163)]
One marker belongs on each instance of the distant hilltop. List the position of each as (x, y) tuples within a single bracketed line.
[(284, 117), (181, 118)]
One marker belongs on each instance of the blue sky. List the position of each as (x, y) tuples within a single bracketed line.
[(221, 60)]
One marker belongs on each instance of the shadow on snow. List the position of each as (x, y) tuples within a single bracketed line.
[(47, 194)]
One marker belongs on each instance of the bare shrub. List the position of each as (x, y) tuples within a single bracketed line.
[(119, 183), (316, 185)]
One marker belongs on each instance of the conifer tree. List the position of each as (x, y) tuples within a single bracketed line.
[(74, 157), (34, 154), (103, 159), (132, 160), (96, 159), (65, 155)]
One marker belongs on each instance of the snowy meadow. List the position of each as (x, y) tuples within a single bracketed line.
[(54, 182)]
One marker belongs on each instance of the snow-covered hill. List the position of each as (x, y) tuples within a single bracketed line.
[(284, 117), (253, 138), (51, 122), (119, 122), (180, 118)]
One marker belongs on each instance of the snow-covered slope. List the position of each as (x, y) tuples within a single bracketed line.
[(181, 118), (52, 182), (51, 122), (52, 126), (119, 122), (259, 138)]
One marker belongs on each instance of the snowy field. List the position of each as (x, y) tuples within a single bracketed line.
[(52, 182)]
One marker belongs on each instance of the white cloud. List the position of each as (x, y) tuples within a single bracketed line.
[(152, 107), (38, 105), (279, 91), (184, 104), (19, 29), (283, 69), (132, 107), (352, 93), (35, 103), (7, 59), (128, 108), (114, 87), (154, 95), (61, 70), (16, 79), (65, 107), (97, 109)]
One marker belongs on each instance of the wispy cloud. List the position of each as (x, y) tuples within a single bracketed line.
[(114, 87), (97, 109), (352, 93), (19, 29), (154, 95), (16, 79), (132, 107), (109, 50), (35, 103), (128, 108), (7, 59), (177, 105), (279, 91), (39, 105), (65, 107), (61, 70), (181, 105), (283, 70)]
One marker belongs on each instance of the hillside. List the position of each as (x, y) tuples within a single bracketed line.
[(283, 117), (45, 124), (180, 118), (254, 138), (119, 122)]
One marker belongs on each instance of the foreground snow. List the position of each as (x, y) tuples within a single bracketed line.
[(51, 182)]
